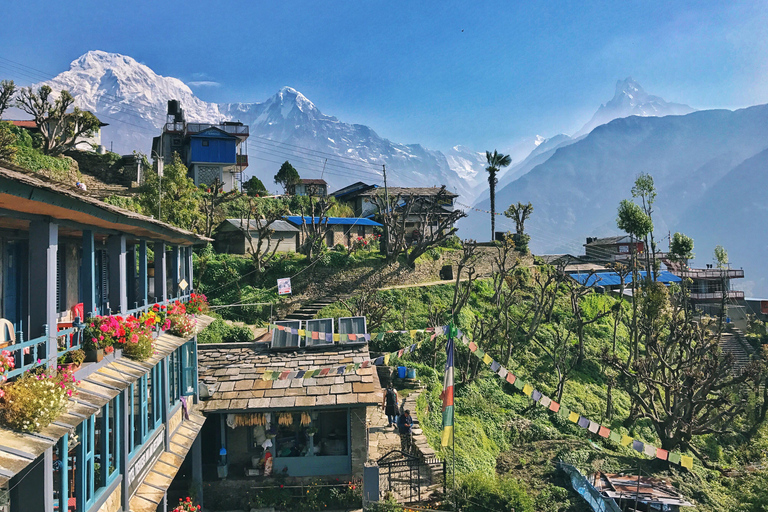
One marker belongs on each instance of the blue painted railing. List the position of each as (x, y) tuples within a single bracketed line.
[(26, 354)]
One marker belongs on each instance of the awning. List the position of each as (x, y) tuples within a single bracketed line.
[(151, 491)]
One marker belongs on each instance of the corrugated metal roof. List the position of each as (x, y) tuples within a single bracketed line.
[(343, 221), (278, 225), (613, 279)]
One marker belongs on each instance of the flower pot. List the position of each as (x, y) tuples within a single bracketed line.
[(70, 367), (150, 271), (94, 356)]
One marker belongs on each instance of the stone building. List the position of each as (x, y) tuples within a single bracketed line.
[(338, 230), (332, 439)]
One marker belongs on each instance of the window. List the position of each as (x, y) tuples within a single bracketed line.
[(173, 378), (205, 143), (188, 368), (325, 436), (154, 398)]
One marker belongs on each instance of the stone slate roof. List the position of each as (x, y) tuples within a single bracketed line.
[(255, 224), (236, 372)]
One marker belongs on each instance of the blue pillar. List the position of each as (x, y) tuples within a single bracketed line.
[(118, 296), (166, 396), (131, 274), (190, 273), (175, 263), (43, 246), (88, 274), (143, 295), (161, 293), (125, 435), (64, 472), (197, 468)]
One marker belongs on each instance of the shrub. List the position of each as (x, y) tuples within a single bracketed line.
[(186, 505), (139, 346), (7, 363), (37, 398), (198, 304), (480, 491), (238, 334)]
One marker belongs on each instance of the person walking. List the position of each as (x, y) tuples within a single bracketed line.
[(405, 427), (389, 404)]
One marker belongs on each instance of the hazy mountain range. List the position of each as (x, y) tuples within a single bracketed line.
[(709, 166)]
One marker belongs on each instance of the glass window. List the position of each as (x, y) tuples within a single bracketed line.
[(173, 377), (325, 435), (112, 443), (189, 363)]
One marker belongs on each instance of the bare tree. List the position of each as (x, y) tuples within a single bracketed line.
[(466, 265), (438, 224), (7, 90), (258, 217), (505, 263), (59, 129), (314, 226), (370, 304), (577, 292), (557, 344), (212, 200)]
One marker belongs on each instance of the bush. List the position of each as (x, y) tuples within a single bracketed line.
[(481, 491), (36, 399), (238, 334)]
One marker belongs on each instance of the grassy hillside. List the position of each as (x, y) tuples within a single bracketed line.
[(507, 447)]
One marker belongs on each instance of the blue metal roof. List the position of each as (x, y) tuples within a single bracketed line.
[(613, 279), (342, 221)]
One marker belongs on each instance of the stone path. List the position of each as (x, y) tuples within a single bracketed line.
[(381, 439)]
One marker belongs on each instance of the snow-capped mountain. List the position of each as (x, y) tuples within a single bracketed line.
[(132, 98), (631, 99)]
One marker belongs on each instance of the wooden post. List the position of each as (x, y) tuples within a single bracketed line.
[(161, 292), (197, 468), (43, 246), (118, 289), (88, 274), (166, 400), (175, 263), (125, 436), (131, 276), (143, 295)]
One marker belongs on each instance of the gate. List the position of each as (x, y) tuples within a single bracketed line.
[(408, 478)]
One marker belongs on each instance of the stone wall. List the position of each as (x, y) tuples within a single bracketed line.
[(112, 504), (359, 439)]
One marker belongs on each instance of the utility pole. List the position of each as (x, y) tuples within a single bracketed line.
[(386, 223)]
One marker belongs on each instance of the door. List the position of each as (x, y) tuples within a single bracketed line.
[(15, 284)]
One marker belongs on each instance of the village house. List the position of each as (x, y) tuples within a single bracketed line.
[(230, 236), (125, 433), (614, 248), (309, 427), (362, 199), (82, 143), (710, 287), (309, 187), (211, 151), (340, 230)]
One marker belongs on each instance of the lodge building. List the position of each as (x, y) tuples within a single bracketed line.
[(127, 430)]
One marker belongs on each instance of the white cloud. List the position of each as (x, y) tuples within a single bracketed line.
[(204, 83)]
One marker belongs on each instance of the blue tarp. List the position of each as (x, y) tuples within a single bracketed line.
[(343, 221), (613, 279)]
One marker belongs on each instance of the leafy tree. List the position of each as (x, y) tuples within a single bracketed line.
[(59, 129), (495, 162), (254, 187), (520, 213), (7, 90), (175, 194), (7, 142), (645, 190), (721, 257), (681, 248), (288, 177)]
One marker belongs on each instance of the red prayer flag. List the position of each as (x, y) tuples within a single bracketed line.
[(604, 432), (510, 378), (324, 371), (662, 454), (554, 406), (284, 375), (315, 335), (472, 346)]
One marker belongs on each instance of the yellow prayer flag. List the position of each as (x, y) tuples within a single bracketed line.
[(573, 417), (386, 358), (527, 390), (447, 438), (336, 337), (301, 332), (686, 462), (413, 332), (626, 440), (487, 359)]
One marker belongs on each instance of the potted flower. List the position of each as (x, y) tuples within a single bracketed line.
[(100, 332), (71, 361), (198, 304), (180, 323), (138, 341), (186, 505), (7, 363), (36, 399)]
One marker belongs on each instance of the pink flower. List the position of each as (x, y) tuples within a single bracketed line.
[(69, 392)]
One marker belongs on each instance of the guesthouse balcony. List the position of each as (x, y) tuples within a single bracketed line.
[(239, 129), (712, 273), (716, 296)]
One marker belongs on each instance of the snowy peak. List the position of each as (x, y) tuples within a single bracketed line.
[(630, 99)]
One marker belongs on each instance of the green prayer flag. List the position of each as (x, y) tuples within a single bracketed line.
[(480, 353), (615, 436), (519, 383), (674, 457), (564, 412)]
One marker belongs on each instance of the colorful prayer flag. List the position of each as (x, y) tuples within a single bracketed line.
[(594, 427), (487, 359), (300, 374), (536, 395), (583, 422), (638, 446), (661, 454), (554, 406), (495, 366), (502, 373), (574, 417), (448, 396), (472, 346), (650, 450), (626, 440), (686, 462), (527, 390), (336, 337), (352, 337), (614, 436), (480, 353), (386, 358), (674, 457), (604, 432), (511, 378), (324, 371), (545, 401), (564, 412)]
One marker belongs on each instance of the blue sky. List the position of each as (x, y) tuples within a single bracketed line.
[(483, 74)]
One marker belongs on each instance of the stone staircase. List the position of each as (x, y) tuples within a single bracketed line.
[(732, 342), (310, 310)]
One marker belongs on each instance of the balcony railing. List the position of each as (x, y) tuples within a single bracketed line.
[(234, 129), (712, 273), (34, 352), (731, 294)]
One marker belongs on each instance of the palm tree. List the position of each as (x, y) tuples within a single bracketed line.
[(495, 162)]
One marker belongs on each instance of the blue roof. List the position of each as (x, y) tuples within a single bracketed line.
[(613, 279), (341, 221)]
